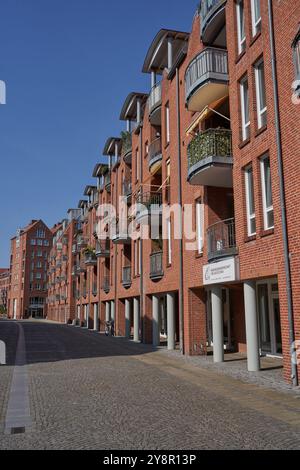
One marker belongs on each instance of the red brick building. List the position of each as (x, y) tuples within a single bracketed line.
[(211, 152), (4, 288), (29, 271)]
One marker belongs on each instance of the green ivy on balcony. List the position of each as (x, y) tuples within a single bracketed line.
[(126, 142), (210, 143)]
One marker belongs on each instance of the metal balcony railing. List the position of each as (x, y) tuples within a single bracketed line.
[(221, 239), (126, 143), (155, 97), (103, 248), (127, 188), (150, 199), (156, 265), (208, 9), (107, 182), (90, 259), (210, 65), (210, 143), (126, 276), (155, 151), (82, 242)]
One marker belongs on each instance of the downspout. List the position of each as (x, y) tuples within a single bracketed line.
[(141, 249), (287, 263), (116, 319), (180, 295)]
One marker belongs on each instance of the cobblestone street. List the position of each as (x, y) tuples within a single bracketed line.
[(87, 391)]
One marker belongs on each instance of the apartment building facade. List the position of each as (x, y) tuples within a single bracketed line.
[(29, 271), (4, 289), (210, 152)]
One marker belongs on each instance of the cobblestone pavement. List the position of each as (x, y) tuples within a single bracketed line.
[(92, 392)]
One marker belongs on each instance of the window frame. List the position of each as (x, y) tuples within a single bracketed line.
[(266, 209), (248, 171), (256, 23), (240, 19), (258, 91), (245, 125), (199, 210)]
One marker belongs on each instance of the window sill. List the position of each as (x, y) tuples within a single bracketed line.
[(240, 56), (198, 255), (255, 38), (251, 238), (266, 233), (261, 130), (244, 143)]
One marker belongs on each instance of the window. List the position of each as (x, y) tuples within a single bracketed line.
[(260, 94), (256, 17), (244, 88), (40, 233), (296, 49), (199, 226), (169, 240), (40, 242), (39, 264), (250, 206), (39, 253), (32, 242), (137, 164), (167, 117), (267, 198), (240, 16), (168, 181), (46, 242), (38, 276), (137, 253)]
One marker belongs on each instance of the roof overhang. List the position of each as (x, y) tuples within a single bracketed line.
[(129, 109), (89, 190), (109, 148), (157, 55), (99, 170), (82, 204)]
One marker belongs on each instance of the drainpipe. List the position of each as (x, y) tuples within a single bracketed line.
[(180, 303), (142, 319), (282, 195), (116, 319)]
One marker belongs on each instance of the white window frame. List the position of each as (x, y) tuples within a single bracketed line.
[(168, 123), (266, 209), (250, 216), (256, 22), (169, 239), (296, 52), (260, 111), (240, 17), (200, 226), (245, 125)]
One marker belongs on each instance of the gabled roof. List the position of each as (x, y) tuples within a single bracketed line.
[(157, 55)]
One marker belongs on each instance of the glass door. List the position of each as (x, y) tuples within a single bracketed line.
[(269, 317)]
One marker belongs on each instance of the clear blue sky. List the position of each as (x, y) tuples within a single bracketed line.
[(68, 67)]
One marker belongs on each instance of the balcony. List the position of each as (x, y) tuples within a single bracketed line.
[(80, 268), (149, 204), (82, 242), (155, 154), (102, 249), (121, 236), (84, 292), (212, 14), (155, 102), (107, 182), (90, 259), (106, 284), (210, 159), (206, 79), (127, 147), (95, 289), (74, 270), (126, 277), (127, 189), (156, 266), (221, 240)]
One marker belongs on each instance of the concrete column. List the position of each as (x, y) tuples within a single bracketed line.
[(107, 311), (96, 317), (127, 318), (171, 320), (217, 323), (87, 314), (170, 53), (155, 320), (128, 125), (112, 310), (153, 78), (251, 327), (136, 320)]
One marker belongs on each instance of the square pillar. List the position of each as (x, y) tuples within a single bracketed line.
[(251, 321), (96, 317), (127, 318), (136, 320), (217, 323), (155, 320), (171, 321)]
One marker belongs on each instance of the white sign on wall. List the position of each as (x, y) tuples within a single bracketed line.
[(226, 270)]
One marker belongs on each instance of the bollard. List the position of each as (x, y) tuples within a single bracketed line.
[(2, 353)]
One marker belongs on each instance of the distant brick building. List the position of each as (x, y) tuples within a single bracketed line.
[(209, 135), (30, 250), (4, 288)]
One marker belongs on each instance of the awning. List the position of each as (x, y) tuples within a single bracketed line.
[(205, 113)]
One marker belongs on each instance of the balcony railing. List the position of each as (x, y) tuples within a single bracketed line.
[(210, 143), (127, 147), (94, 289), (102, 249), (221, 239), (106, 284), (155, 152), (82, 242), (155, 98), (209, 67), (156, 265), (150, 199), (107, 182), (126, 277), (210, 12), (127, 188), (90, 259)]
